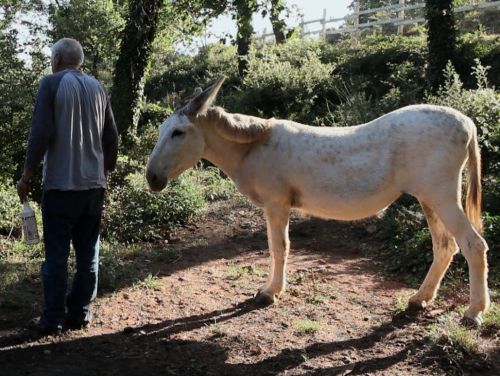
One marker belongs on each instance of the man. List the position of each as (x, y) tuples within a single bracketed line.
[(73, 129)]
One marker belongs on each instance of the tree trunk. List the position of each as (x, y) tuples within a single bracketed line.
[(441, 39), (135, 50), (279, 26), (244, 12)]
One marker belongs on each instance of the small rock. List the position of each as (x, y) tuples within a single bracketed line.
[(246, 225), (346, 359), (435, 312), (47, 352), (371, 229), (128, 330)]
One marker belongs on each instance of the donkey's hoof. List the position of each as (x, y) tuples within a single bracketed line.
[(416, 306), (470, 322), (264, 299), (472, 318)]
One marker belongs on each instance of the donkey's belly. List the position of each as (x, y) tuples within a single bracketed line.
[(345, 208)]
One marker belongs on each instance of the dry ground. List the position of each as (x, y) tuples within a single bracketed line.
[(185, 308)]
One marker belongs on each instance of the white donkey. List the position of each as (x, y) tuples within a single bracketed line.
[(341, 173)]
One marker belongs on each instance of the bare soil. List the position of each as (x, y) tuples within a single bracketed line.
[(185, 308)]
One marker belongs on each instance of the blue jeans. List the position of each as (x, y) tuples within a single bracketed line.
[(70, 216)]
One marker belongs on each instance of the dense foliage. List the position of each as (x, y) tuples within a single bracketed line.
[(311, 82), (134, 213)]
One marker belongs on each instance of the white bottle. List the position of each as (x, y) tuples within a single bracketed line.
[(30, 229)]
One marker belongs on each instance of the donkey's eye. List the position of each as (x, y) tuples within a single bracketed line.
[(177, 133)]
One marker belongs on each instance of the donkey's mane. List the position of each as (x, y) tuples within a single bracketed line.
[(237, 127)]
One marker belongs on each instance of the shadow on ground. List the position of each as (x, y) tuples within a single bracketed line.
[(20, 302), (148, 350)]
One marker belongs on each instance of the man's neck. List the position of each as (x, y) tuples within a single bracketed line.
[(64, 67)]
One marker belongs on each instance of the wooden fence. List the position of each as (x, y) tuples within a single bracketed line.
[(355, 26)]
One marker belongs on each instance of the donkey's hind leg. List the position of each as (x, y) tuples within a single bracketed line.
[(443, 247), (474, 248)]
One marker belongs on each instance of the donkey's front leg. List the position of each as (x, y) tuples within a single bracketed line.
[(279, 246)]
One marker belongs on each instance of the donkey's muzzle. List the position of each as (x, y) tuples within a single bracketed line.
[(155, 182)]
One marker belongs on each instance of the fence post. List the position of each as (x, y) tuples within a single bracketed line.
[(401, 16), (356, 22), (323, 25), (302, 31)]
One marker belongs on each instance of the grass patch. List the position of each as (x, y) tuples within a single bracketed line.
[(400, 303), (307, 326), (318, 299), (455, 339), (151, 282), (236, 271), (218, 331), (491, 325)]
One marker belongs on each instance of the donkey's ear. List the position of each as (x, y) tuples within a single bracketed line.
[(200, 104)]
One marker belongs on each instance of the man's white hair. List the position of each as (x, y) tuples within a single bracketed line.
[(70, 51)]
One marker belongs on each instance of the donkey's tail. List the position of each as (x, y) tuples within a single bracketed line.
[(473, 200)]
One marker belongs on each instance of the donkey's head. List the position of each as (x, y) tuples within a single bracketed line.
[(180, 143)]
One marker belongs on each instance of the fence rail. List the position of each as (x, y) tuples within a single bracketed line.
[(400, 21)]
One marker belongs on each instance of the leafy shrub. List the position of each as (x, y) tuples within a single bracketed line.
[(284, 81), (134, 213), (474, 46), (125, 166), (404, 230), (381, 63), (492, 235), (178, 75), (214, 184), (10, 207), (482, 105), (112, 267), (152, 115)]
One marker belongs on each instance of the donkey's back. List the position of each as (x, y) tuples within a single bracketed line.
[(354, 172)]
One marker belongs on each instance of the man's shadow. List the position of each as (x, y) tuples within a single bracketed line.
[(148, 350)]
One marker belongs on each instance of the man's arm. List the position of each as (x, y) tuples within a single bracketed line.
[(42, 129), (109, 139)]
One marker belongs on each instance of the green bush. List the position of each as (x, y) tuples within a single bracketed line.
[(474, 46), (179, 75), (10, 207), (134, 213), (284, 81), (482, 105), (381, 63), (492, 235), (125, 166), (214, 184)]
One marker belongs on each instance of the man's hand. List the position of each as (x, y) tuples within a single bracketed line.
[(23, 188)]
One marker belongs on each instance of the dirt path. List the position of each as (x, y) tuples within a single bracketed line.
[(194, 315)]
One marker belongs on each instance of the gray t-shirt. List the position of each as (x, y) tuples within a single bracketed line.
[(74, 130)]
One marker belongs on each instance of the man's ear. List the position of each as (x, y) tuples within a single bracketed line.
[(200, 104)]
